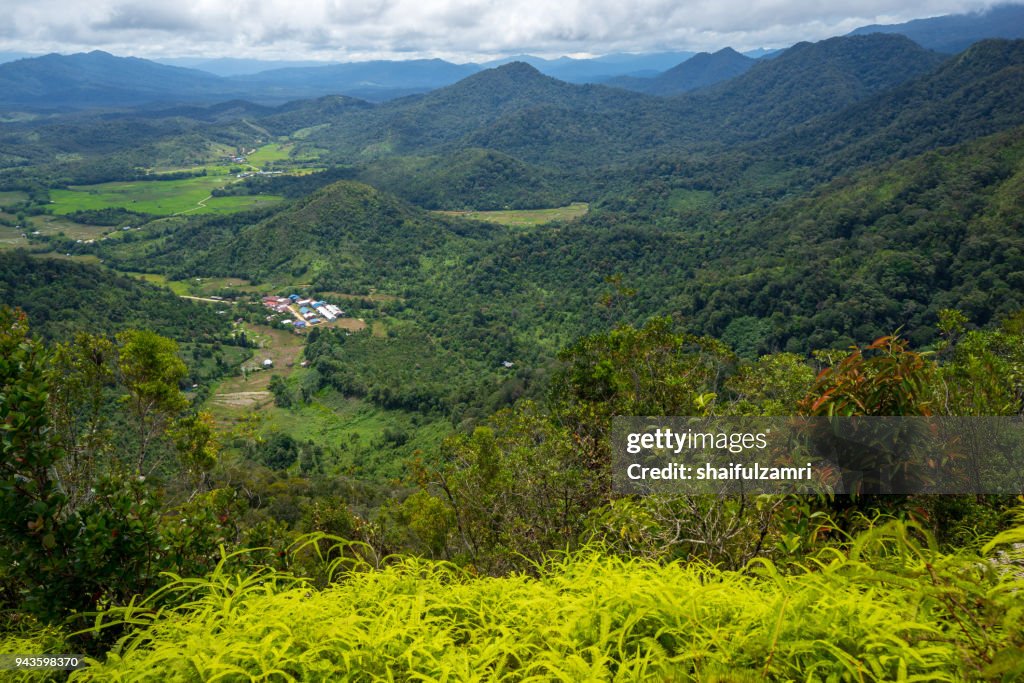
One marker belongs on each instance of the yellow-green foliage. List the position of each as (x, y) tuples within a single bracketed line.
[(889, 607), (31, 639)]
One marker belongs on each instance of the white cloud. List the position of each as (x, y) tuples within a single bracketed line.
[(453, 29)]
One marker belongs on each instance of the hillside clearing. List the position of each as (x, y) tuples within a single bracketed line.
[(526, 217)]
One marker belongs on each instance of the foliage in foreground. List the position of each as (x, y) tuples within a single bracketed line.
[(887, 606)]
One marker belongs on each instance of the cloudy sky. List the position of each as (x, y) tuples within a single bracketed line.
[(460, 30)]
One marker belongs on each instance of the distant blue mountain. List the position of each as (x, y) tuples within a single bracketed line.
[(956, 32), (99, 79), (233, 66), (696, 72), (374, 80), (598, 69)]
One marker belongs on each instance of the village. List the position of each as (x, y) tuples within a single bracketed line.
[(301, 313)]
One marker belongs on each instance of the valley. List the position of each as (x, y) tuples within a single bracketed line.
[(259, 349)]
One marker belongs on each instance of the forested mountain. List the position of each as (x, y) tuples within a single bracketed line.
[(805, 81), (699, 71), (976, 93), (367, 80), (516, 110), (99, 79), (956, 32), (470, 106)]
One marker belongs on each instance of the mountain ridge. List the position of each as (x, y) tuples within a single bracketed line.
[(701, 70)]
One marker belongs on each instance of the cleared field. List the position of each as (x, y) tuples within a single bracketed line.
[(10, 238), (12, 197), (271, 152), (197, 287), (55, 225), (179, 287), (236, 397), (525, 218), (50, 226), (160, 197)]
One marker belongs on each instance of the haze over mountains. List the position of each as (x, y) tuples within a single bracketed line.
[(954, 33), (100, 80)]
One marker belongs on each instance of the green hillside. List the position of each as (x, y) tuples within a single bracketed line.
[(475, 179), (346, 237), (805, 81), (63, 297)]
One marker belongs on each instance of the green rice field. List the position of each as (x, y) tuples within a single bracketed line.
[(159, 197)]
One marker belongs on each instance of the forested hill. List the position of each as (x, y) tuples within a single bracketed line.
[(976, 93), (469, 106), (882, 250), (63, 298), (972, 95), (346, 236), (480, 179)]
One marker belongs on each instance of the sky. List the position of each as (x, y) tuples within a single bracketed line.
[(457, 30)]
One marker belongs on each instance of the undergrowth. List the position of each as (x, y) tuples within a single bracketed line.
[(889, 606)]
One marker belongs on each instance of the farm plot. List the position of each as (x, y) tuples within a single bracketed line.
[(159, 197), (236, 396)]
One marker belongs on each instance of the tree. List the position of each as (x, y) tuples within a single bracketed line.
[(34, 527), (60, 556), (517, 488), (885, 379), (79, 409), (151, 371)]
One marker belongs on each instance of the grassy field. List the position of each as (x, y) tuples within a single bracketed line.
[(12, 197), (269, 153), (525, 218), (237, 397), (160, 197), (355, 429), (179, 287), (49, 225)]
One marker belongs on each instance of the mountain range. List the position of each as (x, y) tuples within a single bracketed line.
[(100, 80), (956, 32)]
